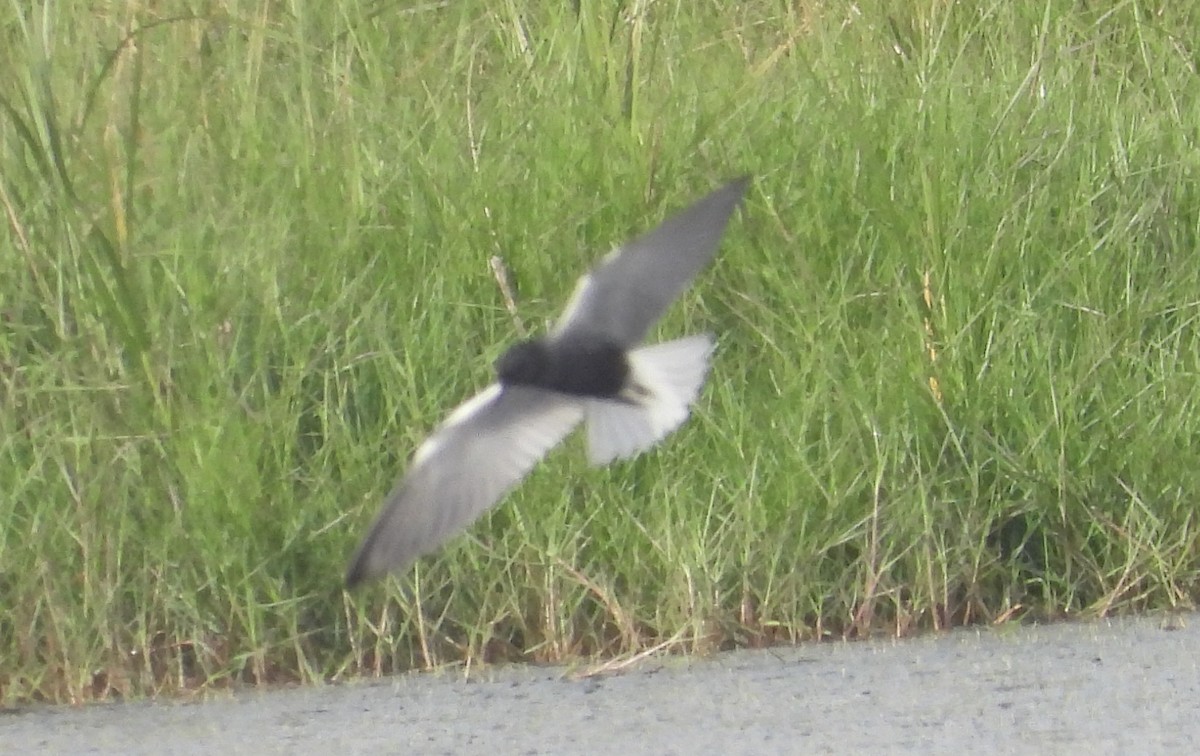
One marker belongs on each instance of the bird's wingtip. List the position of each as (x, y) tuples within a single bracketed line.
[(739, 183), (362, 569), (355, 576)]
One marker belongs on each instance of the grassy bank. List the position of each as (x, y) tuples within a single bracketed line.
[(246, 269)]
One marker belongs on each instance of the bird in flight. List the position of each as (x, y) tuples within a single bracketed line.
[(590, 368)]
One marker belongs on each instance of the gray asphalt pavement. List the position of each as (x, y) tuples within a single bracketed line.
[(1111, 686)]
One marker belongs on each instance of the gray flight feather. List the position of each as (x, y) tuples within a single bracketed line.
[(634, 284), (482, 450)]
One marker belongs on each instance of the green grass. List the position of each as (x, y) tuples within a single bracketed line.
[(245, 271)]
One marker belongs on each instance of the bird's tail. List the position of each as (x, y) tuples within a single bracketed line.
[(664, 381)]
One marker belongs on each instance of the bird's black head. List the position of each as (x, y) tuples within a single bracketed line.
[(525, 363)]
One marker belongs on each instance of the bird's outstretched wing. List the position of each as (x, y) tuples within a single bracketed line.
[(631, 288), (482, 449)]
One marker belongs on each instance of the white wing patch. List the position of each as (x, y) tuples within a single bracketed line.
[(461, 414), (665, 380), (578, 297)]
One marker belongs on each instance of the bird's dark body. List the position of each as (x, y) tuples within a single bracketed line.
[(579, 366)]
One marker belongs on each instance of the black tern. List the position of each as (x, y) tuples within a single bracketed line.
[(590, 368)]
